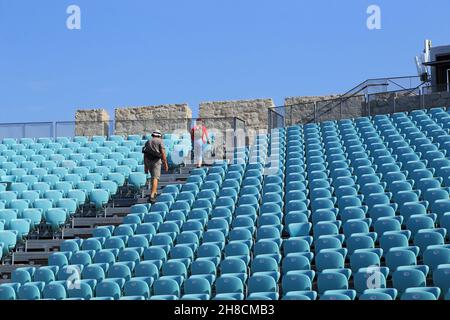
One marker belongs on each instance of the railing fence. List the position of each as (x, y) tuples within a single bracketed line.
[(402, 100)]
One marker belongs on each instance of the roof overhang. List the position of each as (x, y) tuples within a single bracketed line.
[(436, 63)]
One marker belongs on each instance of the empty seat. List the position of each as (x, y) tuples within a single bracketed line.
[(435, 256), (136, 287), (229, 287), (166, 289), (262, 286), (331, 281), (407, 277), (108, 289), (197, 288)]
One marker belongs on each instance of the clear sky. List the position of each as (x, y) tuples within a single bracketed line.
[(147, 52)]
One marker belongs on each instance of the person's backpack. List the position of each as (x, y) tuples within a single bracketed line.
[(149, 152)]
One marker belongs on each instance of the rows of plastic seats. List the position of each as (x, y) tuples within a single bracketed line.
[(345, 210), (46, 181), (341, 213), (198, 194), (377, 202), (108, 242)]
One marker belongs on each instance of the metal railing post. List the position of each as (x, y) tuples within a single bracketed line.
[(315, 111), (234, 135), (290, 116), (283, 120), (395, 101), (422, 100)]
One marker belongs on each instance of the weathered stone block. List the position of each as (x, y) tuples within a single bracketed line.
[(173, 118), (310, 109), (220, 115), (92, 122)]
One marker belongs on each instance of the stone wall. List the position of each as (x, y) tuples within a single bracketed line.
[(437, 99), (405, 103), (92, 122), (173, 118), (219, 116), (391, 102), (310, 109), (319, 109), (253, 112)]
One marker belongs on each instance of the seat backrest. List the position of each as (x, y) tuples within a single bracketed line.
[(261, 283)]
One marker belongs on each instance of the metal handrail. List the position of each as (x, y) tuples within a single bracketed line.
[(363, 86), (26, 123), (359, 90)]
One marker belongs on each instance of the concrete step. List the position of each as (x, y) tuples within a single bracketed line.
[(94, 222), (163, 184), (143, 200), (117, 211), (30, 257), (174, 177), (43, 245), (84, 233), (123, 203), (185, 171)]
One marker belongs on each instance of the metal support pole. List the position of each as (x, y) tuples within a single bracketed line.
[(395, 101), (315, 111), (234, 134), (423, 98), (56, 130), (52, 130), (290, 116)]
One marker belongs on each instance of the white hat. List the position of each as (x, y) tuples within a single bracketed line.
[(156, 133)]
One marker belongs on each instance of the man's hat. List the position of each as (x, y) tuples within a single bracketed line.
[(156, 133)]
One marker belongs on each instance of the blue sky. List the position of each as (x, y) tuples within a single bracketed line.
[(148, 52)]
